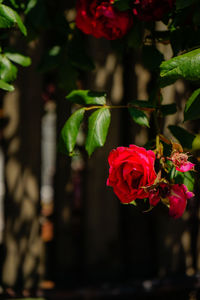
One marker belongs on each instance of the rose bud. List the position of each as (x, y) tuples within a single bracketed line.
[(178, 200), (131, 169), (151, 10), (181, 163), (102, 19)]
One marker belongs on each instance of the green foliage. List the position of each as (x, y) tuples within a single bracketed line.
[(98, 126), (184, 39), (5, 86), (180, 4), (86, 97), (168, 109), (70, 131), (192, 107), (186, 178), (185, 66), (31, 4), (18, 58), (182, 135), (196, 143), (10, 16), (139, 116), (8, 72), (122, 4)]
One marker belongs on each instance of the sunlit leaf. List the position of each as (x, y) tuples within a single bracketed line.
[(185, 66), (18, 58), (8, 71), (12, 16), (139, 116), (5, 86), (98, 126), (186, 178), (87, 97), (70, 130)]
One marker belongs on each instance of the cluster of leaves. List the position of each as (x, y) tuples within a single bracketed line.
[(66, 56), (9, 19), (183, 28), (99, 121)]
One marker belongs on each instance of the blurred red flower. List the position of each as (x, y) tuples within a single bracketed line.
[(102, 19), (152, 10)]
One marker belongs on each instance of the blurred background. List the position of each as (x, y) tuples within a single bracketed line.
[(61, 229)]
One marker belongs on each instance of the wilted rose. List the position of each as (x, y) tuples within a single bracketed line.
[(102, 19), (162, 190), (131, 169), (151, 10), (181, 163)]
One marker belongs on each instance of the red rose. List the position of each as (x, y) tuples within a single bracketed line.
[(178, 200), (131, 169), (152, 10), (101, 19)]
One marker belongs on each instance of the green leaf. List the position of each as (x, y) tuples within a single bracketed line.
[(122, 4), (151, 57), (86, 97), (5, 86), (70, 130), (12, 16), (8, 72), (186, 178), (196, 143), (5, 23), (31, 4), (185, 66), (18, 58), (168, 109), (138, 116), (180, 4), (98, 126), (133, 203), (192, 107), (183, 136)]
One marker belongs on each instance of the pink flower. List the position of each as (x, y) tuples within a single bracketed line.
[(102, 19), (131, 169), (181, 163), (178, 200)]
